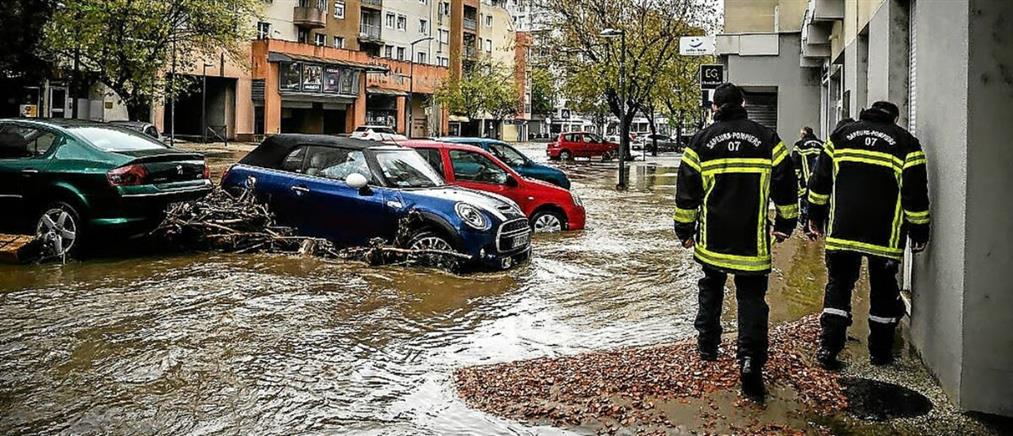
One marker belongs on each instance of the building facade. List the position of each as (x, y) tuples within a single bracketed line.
[(944, 64)]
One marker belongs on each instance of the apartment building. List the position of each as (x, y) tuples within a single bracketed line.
[(944, 65)]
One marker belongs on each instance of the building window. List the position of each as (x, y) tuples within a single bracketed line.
[(339, 9), (443, 61), (263, 30), (423, 58), (339, 42), (389, 20), (423, 2), (402, 22), (445, 8), (320, 39), (488, 46), (303, 36), (424, 27), (400, 53), (488, 21), (444, 36), (388, 51)]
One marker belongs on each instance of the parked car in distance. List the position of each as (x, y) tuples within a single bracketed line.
[(140, 126), (665, 143), (351, 191), (549, 208), (517, 160), (580, 144), (71, 180), (377, 133)]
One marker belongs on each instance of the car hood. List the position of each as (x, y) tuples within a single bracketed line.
[(494, 204)]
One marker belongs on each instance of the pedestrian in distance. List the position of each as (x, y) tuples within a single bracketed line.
[(807, 150), (868, 195), (728, 175)]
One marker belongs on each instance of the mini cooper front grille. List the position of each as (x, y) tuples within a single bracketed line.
[(513, 235)]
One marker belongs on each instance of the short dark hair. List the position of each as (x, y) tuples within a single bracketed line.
[(728, 95), (887, 108), (808, 130), (844, 122)]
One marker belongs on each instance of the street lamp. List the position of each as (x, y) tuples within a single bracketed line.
[(411, 84), (204, 104), (624, 141)]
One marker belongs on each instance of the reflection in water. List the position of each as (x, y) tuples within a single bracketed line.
[(283, 344)]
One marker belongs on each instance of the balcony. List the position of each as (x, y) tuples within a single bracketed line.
[(310, 17), (374, 4), (470, 52), (470, 24), (369, 33)]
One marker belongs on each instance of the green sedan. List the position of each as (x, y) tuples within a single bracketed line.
[(73, 181)]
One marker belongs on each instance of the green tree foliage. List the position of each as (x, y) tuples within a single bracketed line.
[(21, 24), (544, 93), (129, 45), (486, 89), (590, 64)]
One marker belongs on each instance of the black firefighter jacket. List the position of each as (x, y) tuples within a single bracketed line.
[(728, 175), (804, 157), (870, 188)]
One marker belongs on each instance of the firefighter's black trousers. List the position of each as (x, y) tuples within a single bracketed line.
[(886, 306), (750, 291)]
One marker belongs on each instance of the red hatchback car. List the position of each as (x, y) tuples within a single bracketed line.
[(580, 144), (548, 207)]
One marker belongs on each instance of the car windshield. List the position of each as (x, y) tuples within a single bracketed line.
[(407, 169), (118, 139), (387, 130), (507, 154)]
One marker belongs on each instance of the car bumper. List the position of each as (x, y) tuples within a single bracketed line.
[(552, 152), (576, 218), (138, 210), (494, 249)]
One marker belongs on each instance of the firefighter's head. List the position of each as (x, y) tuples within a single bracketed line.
[(807, 132), (727, 96), (886, 108)]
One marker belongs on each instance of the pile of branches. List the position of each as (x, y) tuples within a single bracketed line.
[(240, 223)]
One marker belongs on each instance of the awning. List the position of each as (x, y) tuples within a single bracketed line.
[(289, 57), (459, 119), (383, 91)]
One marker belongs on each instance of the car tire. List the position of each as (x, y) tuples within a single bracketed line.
[(427, 239), (548, 221), (565, 155), (60, 228), (608, 156)]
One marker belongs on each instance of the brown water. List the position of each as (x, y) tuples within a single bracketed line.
[(215, 343)]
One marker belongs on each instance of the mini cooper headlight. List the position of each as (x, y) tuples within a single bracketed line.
[(576, 199), (471, 216)]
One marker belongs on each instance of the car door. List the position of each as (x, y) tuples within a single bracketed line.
[(24, 159), (334, 210), (475, 170)]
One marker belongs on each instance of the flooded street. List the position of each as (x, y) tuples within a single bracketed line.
[(277, 344)]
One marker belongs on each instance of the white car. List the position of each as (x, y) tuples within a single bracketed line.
[(377, 133)]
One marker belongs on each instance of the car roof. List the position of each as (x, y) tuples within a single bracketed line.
[(577, 131), (273, 150), (431, 143), (56, 122)]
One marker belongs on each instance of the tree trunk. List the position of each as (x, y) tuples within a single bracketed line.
[(138, 110), (654, 131)]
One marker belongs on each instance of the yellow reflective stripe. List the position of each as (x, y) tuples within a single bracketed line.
[(685, 216), (818, 199), (915, 158), (778, 154), (736, 165), (689, 157), (917, 217), (898, 218), (762, 237), (836, 244), (787, 212), (729, 261), (828, 147), (869, 157)]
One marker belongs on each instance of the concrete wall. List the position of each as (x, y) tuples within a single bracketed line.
[(745, 16), (987, 372), (939, 280), (888, 56), (798, 91)]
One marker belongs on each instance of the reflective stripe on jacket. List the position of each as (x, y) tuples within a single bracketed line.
[(870, 188), (804, 156), (728, 176)]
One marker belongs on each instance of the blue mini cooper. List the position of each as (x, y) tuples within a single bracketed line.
[(351, 191), (516, 160)]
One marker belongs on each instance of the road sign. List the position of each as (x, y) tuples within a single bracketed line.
[(711, 76), (706, 99), (696, 45)]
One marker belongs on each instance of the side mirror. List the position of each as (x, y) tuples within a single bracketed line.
[(511, 181), (358, 181)]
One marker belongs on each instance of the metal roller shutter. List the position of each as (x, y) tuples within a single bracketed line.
[(762, 108)]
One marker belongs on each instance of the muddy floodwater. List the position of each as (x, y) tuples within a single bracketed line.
[(275, 344)]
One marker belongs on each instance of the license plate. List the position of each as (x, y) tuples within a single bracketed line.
[(521, 240)]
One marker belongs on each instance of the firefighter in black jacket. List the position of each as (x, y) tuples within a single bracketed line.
[(728, 175), (869, 193), (804, 155)]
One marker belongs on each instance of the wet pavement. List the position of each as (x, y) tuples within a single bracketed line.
[(278, 344)]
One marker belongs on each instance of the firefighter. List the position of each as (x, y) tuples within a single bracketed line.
[(804, 155), (728, 175), (868, 195)]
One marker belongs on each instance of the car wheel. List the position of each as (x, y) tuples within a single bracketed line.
[(608, 155), (426, 239), (59, 229), (548, 221), (565, 155)]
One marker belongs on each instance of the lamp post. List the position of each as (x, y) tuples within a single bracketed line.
[(204, 104), (624, 140), (411, 84)]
